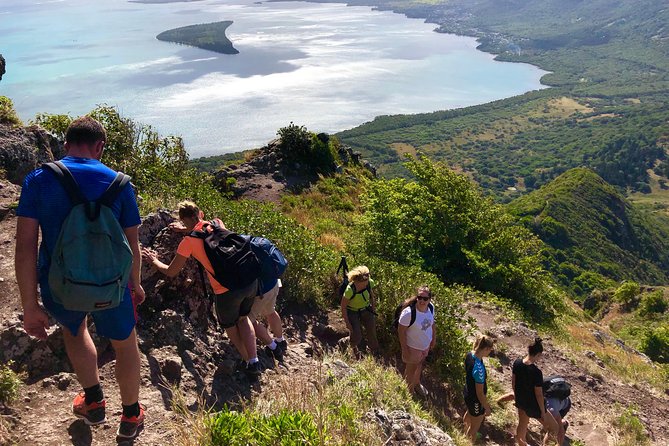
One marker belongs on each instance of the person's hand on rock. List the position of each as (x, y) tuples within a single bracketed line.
[(177, 226)]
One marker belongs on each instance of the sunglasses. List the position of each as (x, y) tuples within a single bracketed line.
[(425, 298)]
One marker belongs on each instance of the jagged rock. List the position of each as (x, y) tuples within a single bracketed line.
[(170, 363), (152, 224), (329, 334), (340, 369), (23, 149), (9, 195), (2, 66), (403, 429)]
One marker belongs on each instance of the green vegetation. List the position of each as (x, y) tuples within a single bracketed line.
[(442, 223), (656, 344), (7, 113), (653, 303), (626, 292), (328, 408), (298, 145), (10, 384), (208, 36), (630, 428), (594, 236)]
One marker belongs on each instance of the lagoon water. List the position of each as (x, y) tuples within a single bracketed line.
[(326, 66)]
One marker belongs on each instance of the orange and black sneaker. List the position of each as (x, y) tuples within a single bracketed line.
[(92, 414), (130, 426)]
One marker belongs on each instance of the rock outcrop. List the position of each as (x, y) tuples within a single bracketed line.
[(22, 149), (2, 66), (403, 429)]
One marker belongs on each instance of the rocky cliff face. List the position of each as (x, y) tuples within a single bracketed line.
[(2, 66), (22, 149)]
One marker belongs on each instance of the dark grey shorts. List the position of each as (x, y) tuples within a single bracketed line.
[(233, 305)]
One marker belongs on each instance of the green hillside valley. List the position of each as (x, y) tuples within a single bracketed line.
[(539, 215)]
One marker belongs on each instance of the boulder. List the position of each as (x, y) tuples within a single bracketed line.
[(403, 429), (22, 149), (9, 196)]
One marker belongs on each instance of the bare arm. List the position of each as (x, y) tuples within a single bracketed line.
[(480, 395), (434, 337), (372, 300), (136, 272), (539, 394), (171, 270), (35, 320), (402, 333), (344, 313)]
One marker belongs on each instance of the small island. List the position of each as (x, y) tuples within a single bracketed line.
[(208, 36)]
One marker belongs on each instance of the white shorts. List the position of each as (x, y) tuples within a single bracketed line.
[(264, 305)]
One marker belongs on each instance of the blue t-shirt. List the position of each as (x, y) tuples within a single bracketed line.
[(478, 372), (44, 199)]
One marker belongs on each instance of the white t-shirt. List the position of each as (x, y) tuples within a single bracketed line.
[(419, 335)]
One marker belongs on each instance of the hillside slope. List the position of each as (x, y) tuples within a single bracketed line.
[(589, 225)]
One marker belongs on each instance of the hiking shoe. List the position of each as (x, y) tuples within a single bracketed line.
[(92, 414), (421, 391), (277, 353), (283, 345), (130, 426), (253, 370)]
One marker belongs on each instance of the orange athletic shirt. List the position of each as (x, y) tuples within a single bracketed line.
[(191, 246)]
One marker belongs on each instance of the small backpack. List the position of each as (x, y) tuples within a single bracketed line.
[(272, 261), (556, 387), (91, 261), (234, 263), (401, 307)]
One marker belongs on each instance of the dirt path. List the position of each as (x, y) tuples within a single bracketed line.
[(597, 398)]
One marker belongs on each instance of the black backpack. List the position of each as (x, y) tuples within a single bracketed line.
[(401, 307), (556, 386), (234, 263)]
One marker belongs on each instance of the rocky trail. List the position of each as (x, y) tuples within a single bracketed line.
[(598, 397), (180, 346)]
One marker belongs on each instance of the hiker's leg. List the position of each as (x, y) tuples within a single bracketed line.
[(127, 368), (417, 373), (235, 339), (83, 355), (261, 332), (475, 425), (274, 322), (248, 337), (369, 321), (467, 419), (409, 372), (551, 427), (356, 330), (521, 430)]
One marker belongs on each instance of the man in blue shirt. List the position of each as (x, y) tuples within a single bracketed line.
[(44, 205)]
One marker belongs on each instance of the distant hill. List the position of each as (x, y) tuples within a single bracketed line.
[(594, 234), (208, 36)]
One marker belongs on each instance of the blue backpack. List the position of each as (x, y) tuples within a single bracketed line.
[(272, 261), (91, 262)]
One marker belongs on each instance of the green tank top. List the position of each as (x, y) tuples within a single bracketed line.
[(359, 300)]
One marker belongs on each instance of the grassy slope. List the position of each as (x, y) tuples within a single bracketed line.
[(588, 225)]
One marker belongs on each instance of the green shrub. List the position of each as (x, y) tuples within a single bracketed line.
[(248, 428), (7, 113), (652, 303), (444, 224), (656, 344), (298, 145), (631, 429), (626, 292), (10, 383)]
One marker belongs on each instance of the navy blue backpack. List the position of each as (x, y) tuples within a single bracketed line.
[(272, 261)]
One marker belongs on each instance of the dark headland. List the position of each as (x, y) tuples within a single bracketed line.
[(208, 36)]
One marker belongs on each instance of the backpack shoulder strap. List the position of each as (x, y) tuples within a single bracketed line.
[(66, 179), (430, 307), (413, 314), (114, 189)]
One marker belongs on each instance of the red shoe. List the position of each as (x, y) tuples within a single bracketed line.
[(130, 426), (92, 414)]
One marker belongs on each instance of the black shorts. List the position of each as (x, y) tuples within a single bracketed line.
[(474, 407), (532, 412), (233, 305)]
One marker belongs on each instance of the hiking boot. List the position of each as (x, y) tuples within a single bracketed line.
[(130, 426), (253, 370), (92, 414), (283, 345), (421, 391), (276, 353)]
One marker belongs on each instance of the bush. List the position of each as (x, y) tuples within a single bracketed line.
[(248, 428), (656, 344), (10, 383), (7, 113), (626, 292), (298, 145), (652, 303), (631, 429), (443, 223)]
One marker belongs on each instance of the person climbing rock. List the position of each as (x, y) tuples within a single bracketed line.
[(240, 272), (89, 262), (476, 386), (417, 335)]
